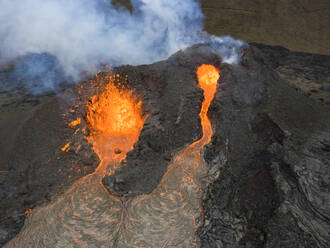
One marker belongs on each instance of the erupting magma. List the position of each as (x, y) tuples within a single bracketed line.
[(115, 121), (88, 215)]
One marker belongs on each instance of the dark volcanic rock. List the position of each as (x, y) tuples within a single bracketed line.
[(33, 168), (307, 72), (269, 157), (270, 160)]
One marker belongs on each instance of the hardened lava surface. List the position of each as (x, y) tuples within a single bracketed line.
[(88, 216)]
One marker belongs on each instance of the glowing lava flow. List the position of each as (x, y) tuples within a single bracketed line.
[(208, 77), (89, 216)]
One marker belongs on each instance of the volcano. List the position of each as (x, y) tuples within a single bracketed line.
[(205, 154)]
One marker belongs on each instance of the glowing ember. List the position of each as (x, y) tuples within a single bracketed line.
[(66, 148), (75, 122)]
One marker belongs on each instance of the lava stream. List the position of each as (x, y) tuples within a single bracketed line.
[(87, 215)]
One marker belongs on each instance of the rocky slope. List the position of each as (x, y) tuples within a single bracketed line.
[(271, 157), (33, 168)]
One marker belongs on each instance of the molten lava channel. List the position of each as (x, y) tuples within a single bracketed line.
[(87, 215)]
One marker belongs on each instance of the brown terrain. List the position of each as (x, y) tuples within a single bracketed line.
[(299, 25)]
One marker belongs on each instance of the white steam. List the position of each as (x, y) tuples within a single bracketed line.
[(80, 33)]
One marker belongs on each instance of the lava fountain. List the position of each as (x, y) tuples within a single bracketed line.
[(115, 122), (88, 215)]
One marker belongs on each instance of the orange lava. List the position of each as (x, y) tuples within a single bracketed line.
[(115, 121), (208, 76)]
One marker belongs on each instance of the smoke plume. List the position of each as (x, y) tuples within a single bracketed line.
[(78, 34)]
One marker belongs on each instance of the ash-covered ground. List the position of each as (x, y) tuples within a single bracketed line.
[(268, 182)]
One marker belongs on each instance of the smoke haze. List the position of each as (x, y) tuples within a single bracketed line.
[(80, 33)]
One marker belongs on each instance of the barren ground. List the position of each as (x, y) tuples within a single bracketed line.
[(299, 25)]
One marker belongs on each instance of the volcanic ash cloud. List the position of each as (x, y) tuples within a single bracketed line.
[(81, 33)]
